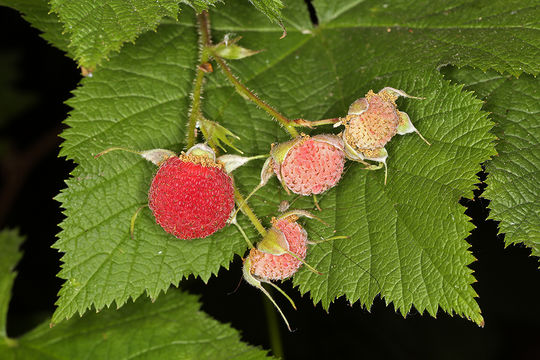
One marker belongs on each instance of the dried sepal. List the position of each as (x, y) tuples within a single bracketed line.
[(155, 156), (233, 162)]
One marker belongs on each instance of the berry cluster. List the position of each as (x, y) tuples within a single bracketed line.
[(192, 195)]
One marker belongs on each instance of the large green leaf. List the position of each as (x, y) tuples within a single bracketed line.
[(513, 185), (10, 240), (97, 28), (172, 328), (92, 30), (407, 238), (498, 34)]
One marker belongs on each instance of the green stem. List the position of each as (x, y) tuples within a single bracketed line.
[(204, 42), (273, 329), (246, 210), (311, 124), (244, 91)]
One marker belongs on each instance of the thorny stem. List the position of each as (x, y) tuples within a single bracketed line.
[(246, 210), (204, 42), (243, 90)]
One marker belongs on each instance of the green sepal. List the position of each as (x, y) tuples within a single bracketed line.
[(358, 107), (202, 150), (228, 49), (217, 135), (274, 242), (405, 125), (279, 152)]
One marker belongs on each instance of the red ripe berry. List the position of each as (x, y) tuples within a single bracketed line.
[(267, 266), (191, 196)]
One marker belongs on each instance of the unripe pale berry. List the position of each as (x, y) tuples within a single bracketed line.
[(374, 127), (278, 255), (371, 123), (278, 267), (309, 165)]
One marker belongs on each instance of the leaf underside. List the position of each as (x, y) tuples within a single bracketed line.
[(406, 238)]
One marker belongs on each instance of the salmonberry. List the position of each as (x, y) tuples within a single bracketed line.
[(191, 195), (371, 123)]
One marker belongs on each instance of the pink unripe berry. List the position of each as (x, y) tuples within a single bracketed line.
[(278, 267), (191, 196), (309, 165)]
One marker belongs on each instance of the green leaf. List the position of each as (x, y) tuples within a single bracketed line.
[(38, 14), (104, 193), (498, 34), (97, 28), (513, 174), (10, 240), (271, 8), (93, 30), (407, 238), (172, 328)]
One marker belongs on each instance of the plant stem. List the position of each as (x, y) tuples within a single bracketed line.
[(311, 124), (244, 91), (246, 210), (204, 42), (273, 328)]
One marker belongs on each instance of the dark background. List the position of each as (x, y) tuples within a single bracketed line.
[(35, 80)]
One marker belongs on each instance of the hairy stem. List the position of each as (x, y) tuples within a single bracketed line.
[(246, 210), (243, 90), (314, 123), (204, 42)]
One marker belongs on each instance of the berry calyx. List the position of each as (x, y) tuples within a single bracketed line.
[(191, 195)]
